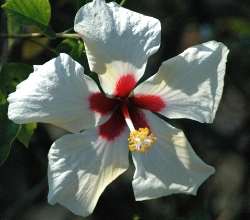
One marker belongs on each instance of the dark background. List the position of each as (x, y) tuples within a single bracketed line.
[(225, 144)]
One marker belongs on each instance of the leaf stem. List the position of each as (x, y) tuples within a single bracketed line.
[(69, 30), (122, 2), (39, 35)]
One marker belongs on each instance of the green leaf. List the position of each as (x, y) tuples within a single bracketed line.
[(12, 74), (239, 25), (8, 133), (13, 28), (2, 96), (35, 13), (25, 133), (66, 46), (81, 3), (78, 54)]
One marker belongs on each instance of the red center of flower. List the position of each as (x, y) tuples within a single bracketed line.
[(101, 104), (124, 86), (113, 128)]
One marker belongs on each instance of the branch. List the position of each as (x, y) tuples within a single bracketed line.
[(40, 35)]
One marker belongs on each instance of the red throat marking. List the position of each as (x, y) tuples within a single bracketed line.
[(113, 127), (101, 104), (149, 102), (116, 125), (124, 85)]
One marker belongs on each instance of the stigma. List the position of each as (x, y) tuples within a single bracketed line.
[(141, 140)]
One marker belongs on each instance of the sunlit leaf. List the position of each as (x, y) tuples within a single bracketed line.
[(8, 133), (25, 133), (31, 13)]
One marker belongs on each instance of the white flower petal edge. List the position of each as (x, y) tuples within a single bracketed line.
[(117, 40), (56, 93), (191, 83), (81, 166), (171, 165)]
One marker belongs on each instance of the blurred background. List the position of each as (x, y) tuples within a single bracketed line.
[(225, 144)]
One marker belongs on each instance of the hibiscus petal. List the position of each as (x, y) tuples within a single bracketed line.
[(191, 83), (118, 41), (81, 166), (171, 165), (57, 93)]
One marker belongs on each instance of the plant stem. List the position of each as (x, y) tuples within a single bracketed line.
[(63, 35), (69, 30), (122, 2), (37, 35)]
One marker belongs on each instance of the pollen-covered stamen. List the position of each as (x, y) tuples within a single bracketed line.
[(141, 140)]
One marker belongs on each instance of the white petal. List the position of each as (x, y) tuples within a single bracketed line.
[(81, 166), (191, 83), (171, 165), (118, 41), (57, 93)]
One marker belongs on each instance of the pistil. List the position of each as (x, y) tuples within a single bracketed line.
[(127, 117), (141, 139)]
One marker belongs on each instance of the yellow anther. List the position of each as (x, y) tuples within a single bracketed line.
[(141, 140)]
